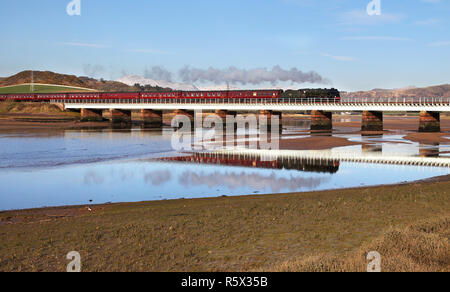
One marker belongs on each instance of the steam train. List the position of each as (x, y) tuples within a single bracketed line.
[(328, 94)]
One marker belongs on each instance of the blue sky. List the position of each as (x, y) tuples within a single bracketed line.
[(408, 44)]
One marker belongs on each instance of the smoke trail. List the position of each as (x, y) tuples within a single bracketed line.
[(158, 73), (256, 76), (93, 70)]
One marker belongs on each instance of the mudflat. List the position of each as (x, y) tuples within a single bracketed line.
[(272, 232)]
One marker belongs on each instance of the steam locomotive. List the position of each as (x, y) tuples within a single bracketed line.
[(317, 94)]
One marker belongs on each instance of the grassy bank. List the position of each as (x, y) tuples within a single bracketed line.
[(421, 247), (273, 232), (11, 107), (34, 112), (40, 88)]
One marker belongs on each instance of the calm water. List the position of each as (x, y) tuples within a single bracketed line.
[(73, 167)]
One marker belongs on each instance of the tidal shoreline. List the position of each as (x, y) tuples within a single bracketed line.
[(83, 208), (217, 234)]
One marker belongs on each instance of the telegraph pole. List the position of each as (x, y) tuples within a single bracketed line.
[(32, 82)]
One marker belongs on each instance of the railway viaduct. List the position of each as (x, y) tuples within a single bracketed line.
[(150, 112)]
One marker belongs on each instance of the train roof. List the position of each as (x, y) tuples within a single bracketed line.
[(115, 92), (233, 90)]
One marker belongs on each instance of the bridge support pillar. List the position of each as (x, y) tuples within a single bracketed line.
[(367, 148), (270, 115), (118, 116), (223, 114), (181, 114), (91, 115), (372, 121), (321, 121), (430, 122), (150, 118), (428, 150)]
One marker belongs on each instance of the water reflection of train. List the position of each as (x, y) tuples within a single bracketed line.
[(300, 164)]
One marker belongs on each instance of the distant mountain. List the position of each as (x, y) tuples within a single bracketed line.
[(432, 91), (47, 77), (135, 79)]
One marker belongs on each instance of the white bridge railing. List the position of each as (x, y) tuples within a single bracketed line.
[(280, 104)]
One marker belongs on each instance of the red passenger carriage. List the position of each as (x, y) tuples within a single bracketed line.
[(113, 96)]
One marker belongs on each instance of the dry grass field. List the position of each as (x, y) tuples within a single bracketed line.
[(422, 247)]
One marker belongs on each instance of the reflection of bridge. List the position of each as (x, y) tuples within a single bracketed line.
[(301, 164), (327, 156), (150, 110)]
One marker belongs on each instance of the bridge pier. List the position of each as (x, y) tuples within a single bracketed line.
[(183, 113), (150, 118), (118, 116), (321, 121), (428, 150), (368, 148), (372, 121), (223, 114), (91, 115), (430, 122), (267, 123)]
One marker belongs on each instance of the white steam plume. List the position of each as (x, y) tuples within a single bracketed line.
[(256, 76)]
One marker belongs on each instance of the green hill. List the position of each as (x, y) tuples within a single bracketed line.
[(47, 77), (40, 88)]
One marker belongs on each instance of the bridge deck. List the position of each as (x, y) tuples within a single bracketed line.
[(287, 105)]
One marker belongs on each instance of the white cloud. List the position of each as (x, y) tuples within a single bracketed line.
[(431, 21), (339, 58), (440, 44), (86, 45), (146, 51), (375, 38), (360, 17)]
